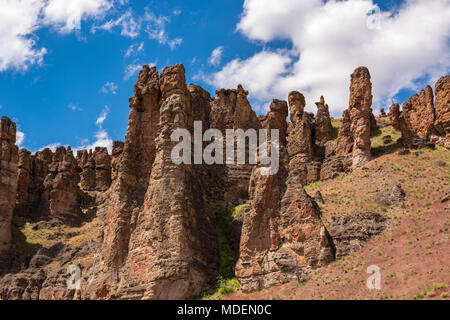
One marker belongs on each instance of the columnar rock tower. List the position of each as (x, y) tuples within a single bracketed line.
[(282, 234), (9, 158), (159, 238), (354, 136)]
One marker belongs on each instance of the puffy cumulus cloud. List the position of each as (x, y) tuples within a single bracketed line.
[(216, 56), (20, 138), (258, 74), (18, 20), (66, 15), (330, 39)]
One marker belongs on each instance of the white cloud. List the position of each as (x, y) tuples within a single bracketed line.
[(216, 56), (66, 15), (132, 69), (109, 87), (129, 26), (52, 146), (156, 29), (134, 48), (176, 12), (102, 117), (102, 139), (74, 107), (20, 138), (257, 74), (330, 39), (18, 21)]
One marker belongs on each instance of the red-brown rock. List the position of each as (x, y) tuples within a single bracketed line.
[(282, 235), (9, 158)]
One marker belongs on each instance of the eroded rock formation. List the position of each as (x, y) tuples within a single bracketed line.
[(420, 123), (416, 119), (159, 231), (323, 125), (350, 233), (9, 158), (158, 239), (60, 196), (282, 234), (232, 110), (442, 122), (360, 113), (96, 169)]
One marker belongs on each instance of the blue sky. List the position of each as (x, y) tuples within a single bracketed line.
[(76, 91)]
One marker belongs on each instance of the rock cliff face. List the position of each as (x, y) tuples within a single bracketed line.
[(442, 122), (282, 235), (416, 117), (158, 236), (232, 110), (159, 232), (324, 128), (60, 196), (9, 158), (419, 121), (96, 169), (300, 145)]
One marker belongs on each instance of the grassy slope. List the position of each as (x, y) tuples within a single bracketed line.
[(413, 253)]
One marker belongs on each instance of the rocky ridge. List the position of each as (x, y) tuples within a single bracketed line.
[(158, 236)]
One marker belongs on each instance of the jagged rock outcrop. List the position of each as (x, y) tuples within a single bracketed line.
[(38, 281), (300, 144), (9, 158), (350, 233), (357, 120), (60, 197), (442, 122), (416, 119), (159, 238), (324, 129), (360, 113), (116, 158), (96, 169), (87, 164), (344, 143), (231, 109), (33, 170), (24, 181), (282, 234)]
